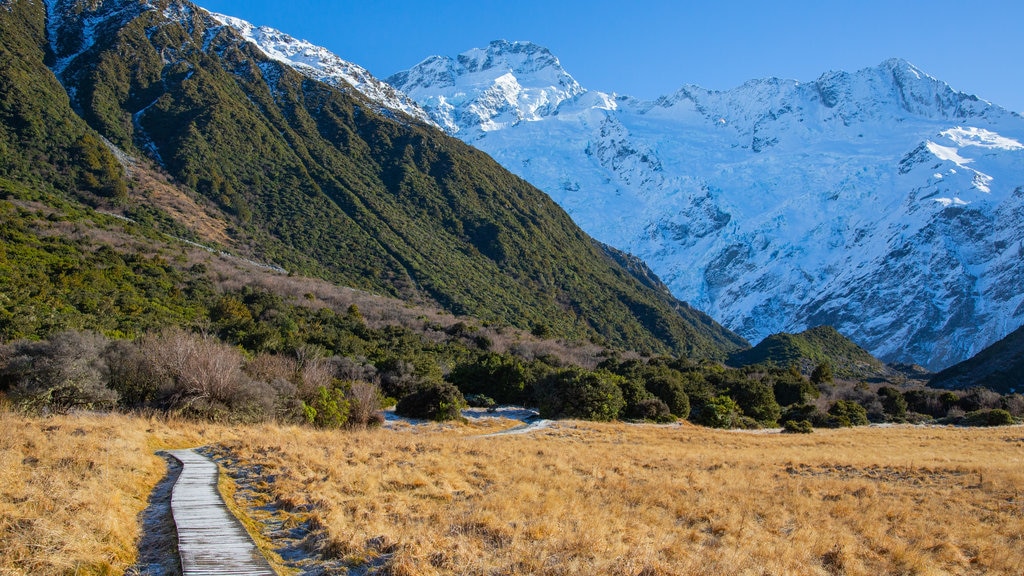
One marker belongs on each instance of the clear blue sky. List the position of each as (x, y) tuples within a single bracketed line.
[(648, 48)]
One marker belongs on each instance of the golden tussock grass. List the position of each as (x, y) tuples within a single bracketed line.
[(576, 498), (71, 489), (620, 499)]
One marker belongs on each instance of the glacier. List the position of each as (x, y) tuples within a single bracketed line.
[(881, 202)]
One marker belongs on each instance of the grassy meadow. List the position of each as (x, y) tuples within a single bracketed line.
[(575, 498)]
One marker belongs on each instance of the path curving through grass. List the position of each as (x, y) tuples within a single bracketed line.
[(211, 541)]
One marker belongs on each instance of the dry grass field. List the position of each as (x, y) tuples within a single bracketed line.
[(576, 498)]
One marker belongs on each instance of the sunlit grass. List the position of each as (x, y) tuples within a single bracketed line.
[(619, 499), (576, 498)]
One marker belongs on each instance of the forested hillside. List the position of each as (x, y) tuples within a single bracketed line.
[(308, 177)]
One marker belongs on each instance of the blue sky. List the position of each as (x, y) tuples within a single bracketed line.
[(651, 48)]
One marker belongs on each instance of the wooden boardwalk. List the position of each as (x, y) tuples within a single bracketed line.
[(211, 541)]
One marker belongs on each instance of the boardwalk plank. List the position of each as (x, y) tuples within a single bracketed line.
[(211, 541)]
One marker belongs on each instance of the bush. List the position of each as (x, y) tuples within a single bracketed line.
[(499, 376), (794, 427), (58, 375), (719, 412), (979, 399), (822, 374), (848, 413), (199, 375), (651, 409), (579, 393), (671, 390), (365, 401), (988, 417), (757, 400), (893, 402), (439, 401), (480, 401), (329, 409), (789, 390), (925, 402)]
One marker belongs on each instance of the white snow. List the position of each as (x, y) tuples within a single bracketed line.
[(981, 138), (778, 205), (320, 64), (948, 154)]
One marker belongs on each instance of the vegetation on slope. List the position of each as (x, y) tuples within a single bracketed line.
[(811, 348), (324, 183)]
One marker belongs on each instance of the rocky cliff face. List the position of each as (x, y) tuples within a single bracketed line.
[(881, 202)]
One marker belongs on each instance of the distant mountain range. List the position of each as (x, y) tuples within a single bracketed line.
[(881, 202)]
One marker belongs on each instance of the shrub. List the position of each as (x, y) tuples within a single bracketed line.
[(719, 412), (671, 390), (848, 413), (652, 409), (579, 393), (329, 409), (58, 375), (792, 388), (439, 401), (757, 400), (794, 427), (925, 402), (978, 399), (1014, 404), (130, 374), (633, 394), (365, 401), (480, 401), (988, 417), (499, 376), (822, 374), (893, 402), (199, 375)]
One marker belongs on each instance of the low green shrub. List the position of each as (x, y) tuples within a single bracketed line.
[(329, 409), (848, 413), (579, 393), (988, 417), (439, 401), (794, 427), (719, 412)]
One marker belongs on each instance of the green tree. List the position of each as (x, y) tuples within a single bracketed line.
[(757, 399), (822, 374), (848, 413), (579, 393), (435, 401), (893, 402), (719, 412)]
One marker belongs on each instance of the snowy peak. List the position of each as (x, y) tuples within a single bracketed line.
[(321, 64), (487, 89), (881, 201)]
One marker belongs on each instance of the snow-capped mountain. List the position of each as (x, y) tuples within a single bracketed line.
[(321, 64), (882, 202)]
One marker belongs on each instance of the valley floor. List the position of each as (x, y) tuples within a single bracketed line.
[(571, 498)]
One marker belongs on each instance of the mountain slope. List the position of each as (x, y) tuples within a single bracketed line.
[(323, 180), (999, 367), (809, 348), (881, 202)]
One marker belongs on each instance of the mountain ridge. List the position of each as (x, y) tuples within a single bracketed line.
[(314, 178), (856, 198)]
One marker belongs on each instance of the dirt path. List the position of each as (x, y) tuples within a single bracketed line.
[(211, 541)]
